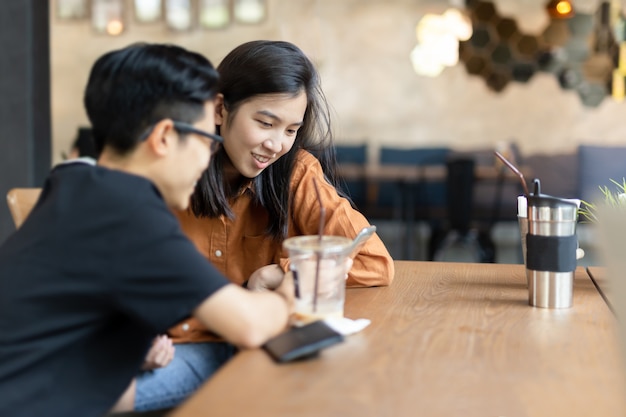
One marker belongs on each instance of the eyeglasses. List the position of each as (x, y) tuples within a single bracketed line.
[(183, 127)]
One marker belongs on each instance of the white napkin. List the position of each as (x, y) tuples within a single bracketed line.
[(522, 206), (346, 326)]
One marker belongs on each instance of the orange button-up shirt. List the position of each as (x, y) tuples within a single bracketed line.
[(240, 246)]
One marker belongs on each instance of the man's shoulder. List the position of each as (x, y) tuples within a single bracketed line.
[(96, 197), (95, 182)]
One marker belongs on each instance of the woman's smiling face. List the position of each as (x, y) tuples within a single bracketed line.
[(260, 130)]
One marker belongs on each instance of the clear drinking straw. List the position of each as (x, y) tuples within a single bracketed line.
[(320, 234)]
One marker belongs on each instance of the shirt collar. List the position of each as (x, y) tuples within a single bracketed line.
[(82, 160)]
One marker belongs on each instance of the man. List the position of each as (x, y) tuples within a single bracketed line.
[(101, 266)]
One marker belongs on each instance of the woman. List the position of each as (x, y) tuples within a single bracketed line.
[(259, 189)]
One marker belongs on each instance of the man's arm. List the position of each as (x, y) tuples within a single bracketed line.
[(247, 318)]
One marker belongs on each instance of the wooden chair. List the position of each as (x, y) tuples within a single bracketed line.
[(21, 201)]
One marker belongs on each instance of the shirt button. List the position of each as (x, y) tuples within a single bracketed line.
[(218, 253), (185, 327)]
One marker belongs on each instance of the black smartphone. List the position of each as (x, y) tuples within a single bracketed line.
[(302, 342)]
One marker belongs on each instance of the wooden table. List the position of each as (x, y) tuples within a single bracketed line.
[(446, 339)]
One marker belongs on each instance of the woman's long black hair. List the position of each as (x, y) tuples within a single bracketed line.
[(258, 68)]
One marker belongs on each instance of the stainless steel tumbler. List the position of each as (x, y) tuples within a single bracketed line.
[(551, 250)]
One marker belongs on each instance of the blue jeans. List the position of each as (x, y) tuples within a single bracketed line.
[(193, 363)]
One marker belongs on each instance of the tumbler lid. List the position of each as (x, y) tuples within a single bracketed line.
[(537, 199)]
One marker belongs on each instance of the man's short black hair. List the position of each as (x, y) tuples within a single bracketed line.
[(132, 88)]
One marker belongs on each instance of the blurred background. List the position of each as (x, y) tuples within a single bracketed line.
[(531, 78)]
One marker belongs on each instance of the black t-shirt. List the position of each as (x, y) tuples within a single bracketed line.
[(97, 270)]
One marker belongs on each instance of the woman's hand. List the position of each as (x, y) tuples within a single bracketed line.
[(268, 277), (160, 354)]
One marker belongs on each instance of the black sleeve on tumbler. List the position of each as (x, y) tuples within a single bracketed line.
[(551, 253)]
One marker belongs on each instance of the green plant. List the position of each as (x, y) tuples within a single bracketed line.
[(612, 198)]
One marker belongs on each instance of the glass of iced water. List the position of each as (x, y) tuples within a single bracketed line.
[(319, 270)]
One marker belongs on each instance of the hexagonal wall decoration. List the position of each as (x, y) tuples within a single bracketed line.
[(580, 50)]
